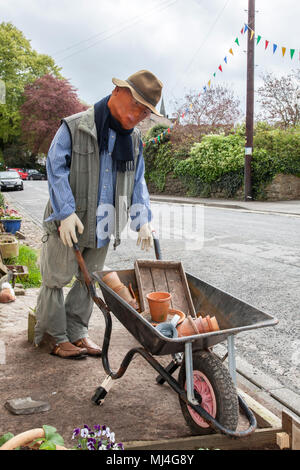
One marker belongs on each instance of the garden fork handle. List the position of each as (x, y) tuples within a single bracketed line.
[(156, 245)]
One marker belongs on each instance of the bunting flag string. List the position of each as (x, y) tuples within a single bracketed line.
[(205, 88), (267, 42)]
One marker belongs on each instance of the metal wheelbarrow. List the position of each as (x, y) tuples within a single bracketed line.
[(207, 395)]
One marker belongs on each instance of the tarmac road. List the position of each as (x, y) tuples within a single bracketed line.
[(253, 256)]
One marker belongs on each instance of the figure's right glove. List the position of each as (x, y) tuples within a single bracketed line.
[(145, 236), (67, 229)]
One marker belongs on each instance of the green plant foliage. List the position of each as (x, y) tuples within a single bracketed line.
[(158, 157), (215, 164), (275, 151), (51, 439), (5, 437)]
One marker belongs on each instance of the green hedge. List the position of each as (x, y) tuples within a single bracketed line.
[(217, 162), (275, 151)]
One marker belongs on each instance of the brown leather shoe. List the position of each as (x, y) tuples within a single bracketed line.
[(67, 350), (92, 348)]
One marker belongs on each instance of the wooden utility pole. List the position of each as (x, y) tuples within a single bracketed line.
[(250, 101)]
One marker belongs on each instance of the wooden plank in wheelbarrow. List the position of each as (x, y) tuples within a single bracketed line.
[(164, 276)]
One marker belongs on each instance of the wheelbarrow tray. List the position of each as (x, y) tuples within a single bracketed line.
[(232, 314)]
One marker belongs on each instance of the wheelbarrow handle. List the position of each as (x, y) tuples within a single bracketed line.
[(156, 245)]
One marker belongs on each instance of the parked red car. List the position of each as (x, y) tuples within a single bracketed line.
[(22, 173)]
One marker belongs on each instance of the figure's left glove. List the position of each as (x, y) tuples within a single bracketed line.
[(145, 236)]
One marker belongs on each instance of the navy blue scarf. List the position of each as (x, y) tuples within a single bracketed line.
[(123, 150)]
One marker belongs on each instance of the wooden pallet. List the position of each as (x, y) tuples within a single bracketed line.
[(164, 276), (272, 431)]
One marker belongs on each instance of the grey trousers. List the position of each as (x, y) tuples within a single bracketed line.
[(65, 319)]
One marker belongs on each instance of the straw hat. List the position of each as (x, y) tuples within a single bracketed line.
[(145, 88)]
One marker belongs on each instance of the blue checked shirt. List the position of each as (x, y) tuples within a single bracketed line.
[(62, 199)]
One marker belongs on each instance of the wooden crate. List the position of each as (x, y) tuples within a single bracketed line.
[(164, 276)]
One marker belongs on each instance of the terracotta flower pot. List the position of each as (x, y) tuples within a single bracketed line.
[(188, 327), (125, 293), (26, 438), (159, 305), (112, 280), (173, 311), (207, 324)]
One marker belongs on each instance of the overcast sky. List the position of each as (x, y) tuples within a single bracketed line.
[(182, 41)]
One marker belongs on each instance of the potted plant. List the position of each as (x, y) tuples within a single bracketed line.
[(47, 438), (10, 219)]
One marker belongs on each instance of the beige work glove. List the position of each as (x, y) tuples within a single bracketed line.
[(67, 229), (145, 236)]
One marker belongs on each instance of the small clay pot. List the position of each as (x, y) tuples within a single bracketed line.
[(207, 324), (214, 323), (173, 311), (199, 324), (125, 293), (188, 327), (112, 280), (159, 305)]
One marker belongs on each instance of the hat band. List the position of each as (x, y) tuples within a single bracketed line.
[(153, 103)]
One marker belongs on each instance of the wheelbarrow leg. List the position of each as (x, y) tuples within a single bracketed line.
[(171, 368), (102, 390)]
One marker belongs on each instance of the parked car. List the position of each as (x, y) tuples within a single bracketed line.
[(10, 180), (36, 175), (22, 173)]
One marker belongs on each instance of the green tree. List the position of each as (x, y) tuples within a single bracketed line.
[(19, 65)]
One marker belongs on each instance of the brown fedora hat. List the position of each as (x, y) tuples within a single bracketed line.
[(145, 88)]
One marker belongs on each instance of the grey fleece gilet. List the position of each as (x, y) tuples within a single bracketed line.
[(84, 180)]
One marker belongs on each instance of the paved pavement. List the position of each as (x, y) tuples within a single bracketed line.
[(278, 207), (264, 387)]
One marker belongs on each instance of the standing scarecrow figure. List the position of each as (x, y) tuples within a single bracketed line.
[(95, 170)]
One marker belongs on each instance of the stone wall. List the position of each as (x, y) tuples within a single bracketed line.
[(283, 188)]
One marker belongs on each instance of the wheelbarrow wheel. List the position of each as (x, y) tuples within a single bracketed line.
[(219, 398)]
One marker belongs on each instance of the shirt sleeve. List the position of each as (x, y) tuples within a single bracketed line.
[(140, 211), (61, 196)]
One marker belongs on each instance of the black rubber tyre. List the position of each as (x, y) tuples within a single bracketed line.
[(227, 406)]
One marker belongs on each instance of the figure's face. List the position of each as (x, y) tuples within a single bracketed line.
[(126, 109)]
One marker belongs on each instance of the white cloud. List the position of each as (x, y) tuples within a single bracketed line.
[(183, 42)]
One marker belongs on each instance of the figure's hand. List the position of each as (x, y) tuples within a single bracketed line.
[(67, 229), (145, 237)]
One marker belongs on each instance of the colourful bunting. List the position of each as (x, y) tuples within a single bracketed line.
[(205, 88)]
